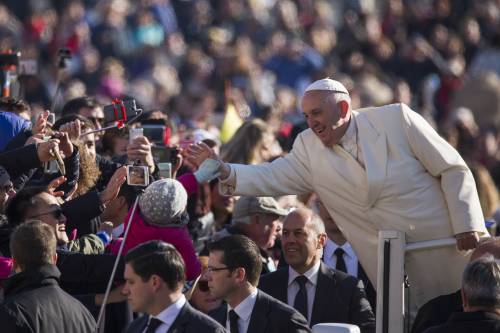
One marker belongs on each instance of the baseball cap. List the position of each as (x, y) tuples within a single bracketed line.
[(246, 206)]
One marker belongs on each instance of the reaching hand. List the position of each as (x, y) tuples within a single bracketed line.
[(40, 127), (44, 150), (73, 128), (467, 240), (140, 149), (65, 143), (54, 184), (199, 152), (114, 184)]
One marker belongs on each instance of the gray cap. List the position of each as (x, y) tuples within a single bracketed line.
[(247, 206), (163, 203)]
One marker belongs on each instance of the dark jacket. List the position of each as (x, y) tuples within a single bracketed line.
[(19, 161), (189, 320), (469, 322), (34, 302), (339, 298), (437, 311), (269, 315)]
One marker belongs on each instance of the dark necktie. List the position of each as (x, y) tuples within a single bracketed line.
[(233, 321), (339, 253), (300, 303), (153, 325)]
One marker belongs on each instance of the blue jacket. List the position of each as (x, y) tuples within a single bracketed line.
[(10, 126)]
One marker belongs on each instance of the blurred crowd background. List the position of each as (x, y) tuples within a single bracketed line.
[(191, 59)]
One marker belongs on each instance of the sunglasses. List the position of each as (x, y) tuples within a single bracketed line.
[(56, 213), (203, 285)]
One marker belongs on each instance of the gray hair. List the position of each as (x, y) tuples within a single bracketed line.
[(481, 282), (316, 224), (338, 97)]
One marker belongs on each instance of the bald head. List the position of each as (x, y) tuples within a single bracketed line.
[(311, 219), (487, 246)]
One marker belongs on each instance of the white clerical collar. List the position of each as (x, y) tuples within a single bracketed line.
[(350, 133), (311, 274)]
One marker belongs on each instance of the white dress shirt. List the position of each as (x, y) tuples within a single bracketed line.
[(168, 315), (244, 311), (350, 258), (349, 142), (293, 287)]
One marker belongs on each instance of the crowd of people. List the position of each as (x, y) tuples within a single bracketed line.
[(252, 197)]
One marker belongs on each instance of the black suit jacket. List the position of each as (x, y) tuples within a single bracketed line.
[(466, 322), (268, 316), (339, 298), (189, 320)]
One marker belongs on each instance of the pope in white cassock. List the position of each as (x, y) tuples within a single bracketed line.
[(381, 168)]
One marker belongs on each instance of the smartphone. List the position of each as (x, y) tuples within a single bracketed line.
[(162, 154), (134, 133), (155, 133), (137, 175), (114, 112)]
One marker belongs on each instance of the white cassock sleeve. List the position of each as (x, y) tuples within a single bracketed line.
[(442, 161), (286, 175)]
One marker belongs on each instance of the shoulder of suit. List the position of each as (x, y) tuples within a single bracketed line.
[(338, 276), (136, 324), (275, 304), (196, 316)]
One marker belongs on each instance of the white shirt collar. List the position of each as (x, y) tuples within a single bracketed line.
[(245, 308), (350, 133), (331, 246), (311, 274), (168, 315)]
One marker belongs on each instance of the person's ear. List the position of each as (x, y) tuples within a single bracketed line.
[(344, 108), (321, 241), (54, 259)]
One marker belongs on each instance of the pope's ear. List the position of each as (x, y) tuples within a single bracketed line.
[(344, 108)]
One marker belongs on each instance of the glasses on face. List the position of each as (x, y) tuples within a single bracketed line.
[(56, 213), (203, 285), (216, 269)]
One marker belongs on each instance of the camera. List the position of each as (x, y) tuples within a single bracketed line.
[(163, 154), (155, 133), (137, 175), (120, 111)]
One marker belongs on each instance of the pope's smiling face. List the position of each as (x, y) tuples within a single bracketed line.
[(327, 119)]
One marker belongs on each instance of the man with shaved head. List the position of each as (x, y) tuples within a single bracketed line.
[(320, 293), (379, 168)]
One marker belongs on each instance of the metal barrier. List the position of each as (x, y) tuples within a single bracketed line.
[(391, 312)]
